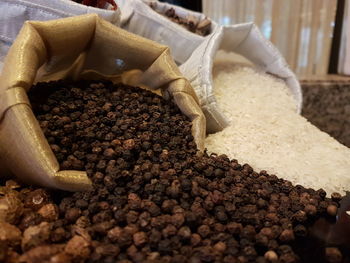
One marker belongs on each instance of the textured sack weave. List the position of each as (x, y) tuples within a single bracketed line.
[(14, 13), (82, 46), (195, 53)]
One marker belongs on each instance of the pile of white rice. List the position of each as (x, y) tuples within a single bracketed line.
[(267, 133)]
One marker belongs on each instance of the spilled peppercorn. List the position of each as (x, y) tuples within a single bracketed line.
[(154, 199)]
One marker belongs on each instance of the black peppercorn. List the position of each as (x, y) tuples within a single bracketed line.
[(154, 198)]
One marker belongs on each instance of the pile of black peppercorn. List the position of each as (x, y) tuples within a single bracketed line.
[(326, 105), (154, 199)]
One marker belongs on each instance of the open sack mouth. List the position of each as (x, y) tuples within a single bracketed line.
[(152, 194), (198, 24), (157, 71), (181, 29), (245, 40), (105, 4)]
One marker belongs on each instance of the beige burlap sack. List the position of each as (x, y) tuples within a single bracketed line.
[(82, 46)]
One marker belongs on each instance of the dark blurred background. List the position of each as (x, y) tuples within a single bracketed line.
[(195, 5)]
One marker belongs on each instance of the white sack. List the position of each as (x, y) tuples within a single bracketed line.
[(13, 14), (139, 18), (243, 39), (195, 53)]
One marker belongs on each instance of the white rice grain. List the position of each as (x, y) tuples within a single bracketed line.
[(267, 133)]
